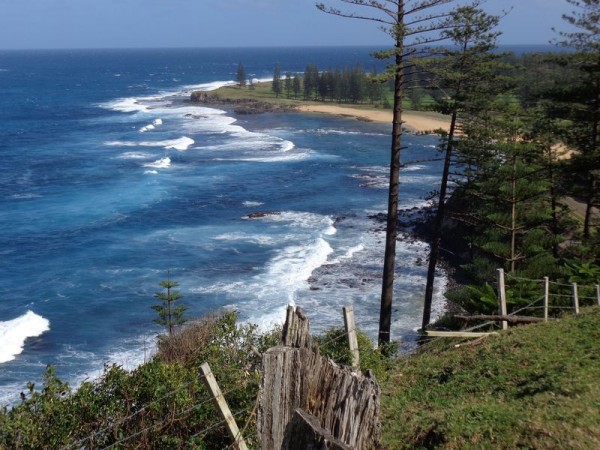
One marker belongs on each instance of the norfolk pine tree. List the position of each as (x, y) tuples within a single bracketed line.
[(169, 314), (463, 72), (241, 75), (409, 23), (579, 102), (276, 85)]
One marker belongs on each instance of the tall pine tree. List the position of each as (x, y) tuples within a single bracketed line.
[(410, 23), (466, 73), (579, 101)]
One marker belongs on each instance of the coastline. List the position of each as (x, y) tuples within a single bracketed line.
[(415, 121), (261, 100)]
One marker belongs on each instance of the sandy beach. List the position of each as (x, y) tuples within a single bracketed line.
[(418, 121)]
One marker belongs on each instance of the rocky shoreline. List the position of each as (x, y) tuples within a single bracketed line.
[(240, 106)]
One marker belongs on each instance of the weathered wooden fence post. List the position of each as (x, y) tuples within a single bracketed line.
[(220, 403), (350, 326), (598, 293), (502, 297), (306, 401), (546, 297), (575, 298)]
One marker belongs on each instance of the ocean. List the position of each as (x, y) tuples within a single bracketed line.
[(110, 179)]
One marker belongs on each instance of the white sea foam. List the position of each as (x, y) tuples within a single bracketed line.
[(286, 146), (147, 128), (129, 104), (135, 155), (349, 254), (13, 333), (270, 159), (285, 274), (128, 355), (121, 144), (162, 163), (155, 123), (251, 204), (181, 144), (259, 239), (151, 172), (305, 220), (326, 131)]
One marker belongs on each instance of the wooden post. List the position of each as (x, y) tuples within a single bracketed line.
[(351, 332), (211, 384), (575, 298), (598, 293), (502, 297), (546, 297)]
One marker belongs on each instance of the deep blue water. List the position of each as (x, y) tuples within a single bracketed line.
[(96, 206)]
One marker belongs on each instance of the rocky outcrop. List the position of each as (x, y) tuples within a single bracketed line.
[(240, 105)]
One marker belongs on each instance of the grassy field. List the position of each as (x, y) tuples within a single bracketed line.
[(262, 92), (533, 387)]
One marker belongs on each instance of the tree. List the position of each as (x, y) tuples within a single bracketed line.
[(311, 80), (579, 101), (508, 204), (296, 85), (288, 84), (462, 72), (276, 86), (169, 314), (241, 75), (410, 24)]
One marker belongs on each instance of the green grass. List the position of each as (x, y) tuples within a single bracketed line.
[(531, 387)]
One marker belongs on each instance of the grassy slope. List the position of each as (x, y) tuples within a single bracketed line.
[(531, 387)]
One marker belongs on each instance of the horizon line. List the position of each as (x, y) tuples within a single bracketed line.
[(233, 47)]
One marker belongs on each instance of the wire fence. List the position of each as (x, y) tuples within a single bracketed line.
[(551, 295)]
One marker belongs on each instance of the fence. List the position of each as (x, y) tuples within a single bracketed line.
[(295, 335), (553, 296)]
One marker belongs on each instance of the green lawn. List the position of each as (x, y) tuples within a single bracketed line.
[(532, 387)]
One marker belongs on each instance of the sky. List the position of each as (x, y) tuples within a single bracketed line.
[(34, 24)]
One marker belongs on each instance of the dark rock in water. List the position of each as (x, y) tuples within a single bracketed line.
[(338, 220), (258, 215), (380, 217)]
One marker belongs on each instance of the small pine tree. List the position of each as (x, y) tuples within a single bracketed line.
[(296, 85), (169, 315), (288, 84), (277, 80), (241, 75)]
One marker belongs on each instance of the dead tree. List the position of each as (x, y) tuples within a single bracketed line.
[(303, 392)]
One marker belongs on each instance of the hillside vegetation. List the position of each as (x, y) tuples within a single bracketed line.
[(531, 387)]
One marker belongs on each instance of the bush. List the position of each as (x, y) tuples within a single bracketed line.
[(161, 404), (333, 343)]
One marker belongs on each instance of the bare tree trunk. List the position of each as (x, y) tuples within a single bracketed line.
[(513, 217), (387, 287), (437, 226)]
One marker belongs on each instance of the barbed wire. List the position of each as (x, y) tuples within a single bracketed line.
[(179, 415), (216, 425), (124, 419), (527, 306), (531, 280)]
